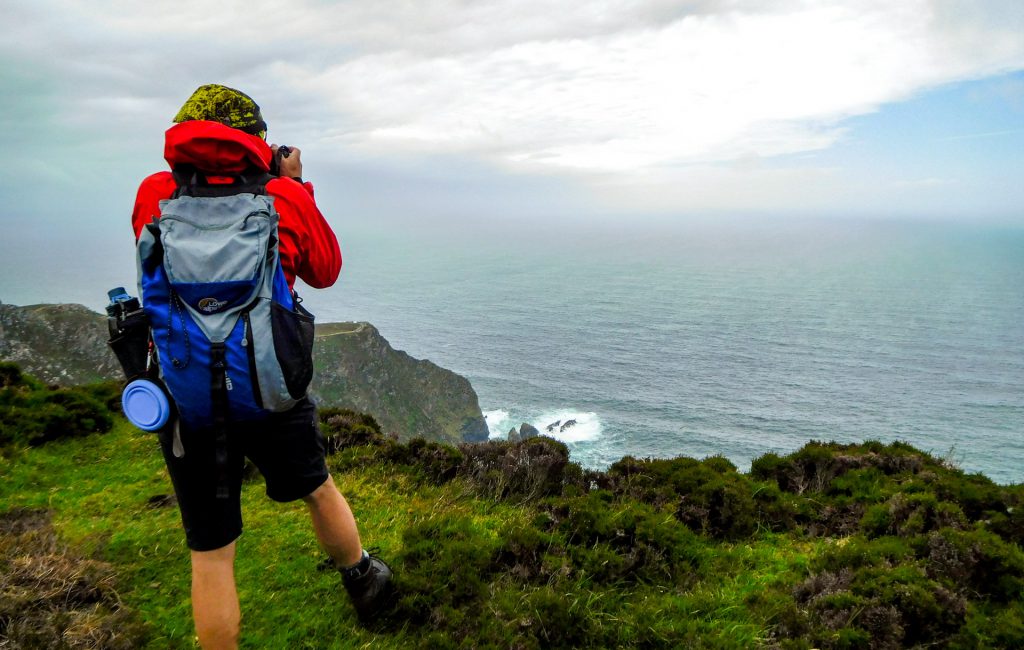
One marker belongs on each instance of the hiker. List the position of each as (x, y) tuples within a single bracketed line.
[(219, 143)]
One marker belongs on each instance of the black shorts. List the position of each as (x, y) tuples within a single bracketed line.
[(287, 448)]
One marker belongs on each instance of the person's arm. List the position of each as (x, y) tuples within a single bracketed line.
[(153, 189), (308, 246)]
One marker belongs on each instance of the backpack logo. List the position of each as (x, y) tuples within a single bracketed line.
[(210, 305)]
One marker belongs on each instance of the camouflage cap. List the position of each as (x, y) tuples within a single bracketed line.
[(228, 106)]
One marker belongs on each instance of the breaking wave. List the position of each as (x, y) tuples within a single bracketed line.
[(562, 424)]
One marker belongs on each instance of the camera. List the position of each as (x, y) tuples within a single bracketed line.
[(275, 162)]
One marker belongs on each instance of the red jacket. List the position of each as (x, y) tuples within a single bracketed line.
[(308, 247)]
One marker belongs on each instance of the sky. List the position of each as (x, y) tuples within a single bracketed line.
[(527, 109)]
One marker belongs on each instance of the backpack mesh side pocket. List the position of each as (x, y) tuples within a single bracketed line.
[(293, 344)]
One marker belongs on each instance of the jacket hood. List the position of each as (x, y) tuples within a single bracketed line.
[(214, 147)]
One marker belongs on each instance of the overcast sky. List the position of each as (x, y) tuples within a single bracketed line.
[(500, 108)]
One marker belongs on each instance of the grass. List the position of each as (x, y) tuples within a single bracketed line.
[(98, 488), (98, 491), (511, 546)]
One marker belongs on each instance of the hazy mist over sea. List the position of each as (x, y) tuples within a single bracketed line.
[(715, 336), (697, 337)]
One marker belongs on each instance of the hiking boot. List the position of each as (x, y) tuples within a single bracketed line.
[(369, 586)]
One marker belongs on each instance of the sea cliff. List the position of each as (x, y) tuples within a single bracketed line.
[(356, 368)]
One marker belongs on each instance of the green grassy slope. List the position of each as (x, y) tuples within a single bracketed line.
[(510, 546)]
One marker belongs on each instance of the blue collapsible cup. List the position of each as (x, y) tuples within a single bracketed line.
[(145, 405)]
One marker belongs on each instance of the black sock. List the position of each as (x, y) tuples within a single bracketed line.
[(358, 569)]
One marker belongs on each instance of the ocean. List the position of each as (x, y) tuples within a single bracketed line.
[(690, 337), (735, 337)]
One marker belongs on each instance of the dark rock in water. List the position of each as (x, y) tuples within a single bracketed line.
[(355, 366), (513, 435), (568, 424), (527, 430), (553, 425)]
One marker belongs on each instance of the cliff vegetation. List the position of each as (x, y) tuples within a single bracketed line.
[(512, 545)]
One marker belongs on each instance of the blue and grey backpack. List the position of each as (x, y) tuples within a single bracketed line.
[(232, 341)]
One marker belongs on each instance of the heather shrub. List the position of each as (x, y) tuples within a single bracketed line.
[(976, 494), (991, 626), (906, 515), (709, 496), (977, 562), (723, 509), (524, 471), (660, 481), (631, 542), (107, 392), (444, 568), (873, 594), (11, 376), (436, 462), (1009, 524), (344, 428), (816, 465), (33, 414), (522, 553), (858, 552)]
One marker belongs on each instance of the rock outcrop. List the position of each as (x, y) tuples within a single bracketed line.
[(59, 344), (355, 368), (527, 430)]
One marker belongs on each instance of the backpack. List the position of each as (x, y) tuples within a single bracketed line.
[(231, 340)]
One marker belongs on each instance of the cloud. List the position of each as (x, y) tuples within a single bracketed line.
[(616, 91), (661, 88), (598, 85)]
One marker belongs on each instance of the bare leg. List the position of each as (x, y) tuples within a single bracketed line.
[(334, 524), (214, 598)]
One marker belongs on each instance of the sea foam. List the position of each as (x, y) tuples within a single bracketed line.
[(586, 428)]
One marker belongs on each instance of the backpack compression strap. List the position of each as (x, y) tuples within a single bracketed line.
[(193, 182), (219, 397)]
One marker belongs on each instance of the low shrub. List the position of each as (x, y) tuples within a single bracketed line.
[(907, 515), (435, 462), (976, 494), (1010, 524), (878, 602), (816, 465), (344, 428), (522, 553), (991, 626), (445, 563), (33, 414), (709, 496), (612, 542), (976, 562), (523, 471), (11, 376)]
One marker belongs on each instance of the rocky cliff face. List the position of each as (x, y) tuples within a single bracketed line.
[(355, 368), (59, 344)]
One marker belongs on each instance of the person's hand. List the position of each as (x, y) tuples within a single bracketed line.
[(289, 165)]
